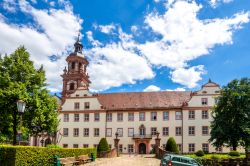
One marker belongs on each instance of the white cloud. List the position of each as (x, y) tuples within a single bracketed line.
[(56, 34), (112, 66), (107, 28), (188, 77), (215, 3), (152, 88), (177, 89), (9, 5), (185, 38), (134, 28), (92, 40)]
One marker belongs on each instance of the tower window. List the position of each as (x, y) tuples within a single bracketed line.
[(73, 65), (71, 86)]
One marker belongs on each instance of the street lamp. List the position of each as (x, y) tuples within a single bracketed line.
[(20, 109), (20, 106)]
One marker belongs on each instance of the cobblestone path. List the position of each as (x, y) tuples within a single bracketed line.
[(126, 160)]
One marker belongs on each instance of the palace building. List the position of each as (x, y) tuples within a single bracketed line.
[(136, 116)]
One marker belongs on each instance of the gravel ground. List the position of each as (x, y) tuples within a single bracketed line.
[(126, 160)]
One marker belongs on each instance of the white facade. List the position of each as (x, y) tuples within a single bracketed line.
[(190, 129)]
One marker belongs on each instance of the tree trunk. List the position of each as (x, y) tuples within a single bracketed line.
[(14, 127)]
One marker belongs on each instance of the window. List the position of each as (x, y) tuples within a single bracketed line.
[(109, 132), (130, 116), (97, 116), (85, 145), (65, 146), (76, 132), (130, 148), (153, 130), (110, 146), (191, 115), (165, 115), (204, 130), (219, 149), (120, 132), (95, 146), (178, 115), (153, 116), (204, 114), (65, 117), (86, 132), (120, 148), (76, 117), (142, 131), (65, 132), (86, 117), (191, 147), (142, 116), (179, 147), (165, 131), (164, 146), (96, 132), (75, 145), (86, 105), (178, 131), (203, 101), (205, 148), (130, 132), (109, 117), (191, 130), (73, 64), (77, 105), (71, 86), (119, 117)]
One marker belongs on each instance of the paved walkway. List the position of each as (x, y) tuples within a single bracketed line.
[(126, 160)]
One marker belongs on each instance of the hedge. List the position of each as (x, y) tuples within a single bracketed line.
[(37, 156)]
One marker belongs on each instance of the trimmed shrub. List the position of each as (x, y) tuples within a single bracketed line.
[(39, 156), (199, 153), (171, 145), (53, 146), (234, 153), (103, 145)]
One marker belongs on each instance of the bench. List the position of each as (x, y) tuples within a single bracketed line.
[(68, 161), (83, 159)]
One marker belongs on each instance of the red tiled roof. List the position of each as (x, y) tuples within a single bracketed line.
[(146, 100)]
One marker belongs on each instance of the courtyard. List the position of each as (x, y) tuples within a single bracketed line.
[(124, 160)]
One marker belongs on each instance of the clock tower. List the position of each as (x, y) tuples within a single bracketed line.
[(75, 75)]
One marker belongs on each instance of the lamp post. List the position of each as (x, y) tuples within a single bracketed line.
[(20, 109)]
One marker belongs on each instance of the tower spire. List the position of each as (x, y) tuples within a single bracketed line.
[(78, 46)]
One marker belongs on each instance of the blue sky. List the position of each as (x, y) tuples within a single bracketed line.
[(139, 45)]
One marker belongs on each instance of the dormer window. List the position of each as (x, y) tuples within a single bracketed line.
[(204, 101)]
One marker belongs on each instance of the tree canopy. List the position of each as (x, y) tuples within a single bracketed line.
[(231, 115), (19, 79)]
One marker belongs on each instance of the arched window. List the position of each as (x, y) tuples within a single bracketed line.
[(71, 86)]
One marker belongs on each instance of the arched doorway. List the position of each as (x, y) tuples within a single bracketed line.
[(142, 148)]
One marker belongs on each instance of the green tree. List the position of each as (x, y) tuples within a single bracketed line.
[(19, 79), (171, 145), (231, 115), (103, 145)]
